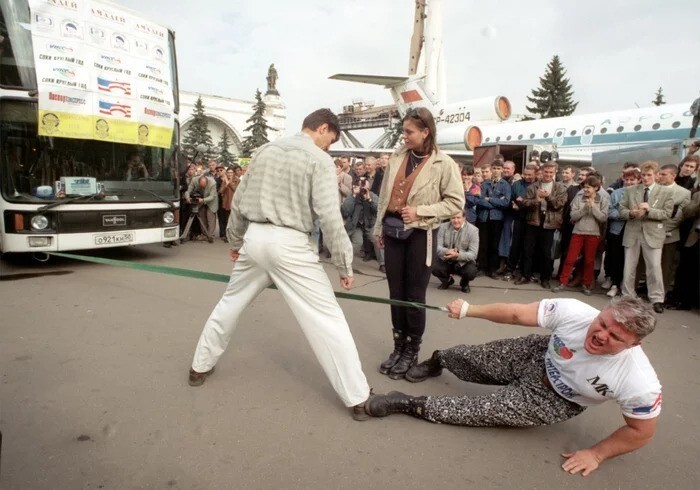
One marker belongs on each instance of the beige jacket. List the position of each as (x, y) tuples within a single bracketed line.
[(437, 193), (649, 227)]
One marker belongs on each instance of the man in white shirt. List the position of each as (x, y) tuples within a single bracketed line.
[(589, 357)]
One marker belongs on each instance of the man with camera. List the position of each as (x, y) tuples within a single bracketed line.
[(203, 200), (359, 211)]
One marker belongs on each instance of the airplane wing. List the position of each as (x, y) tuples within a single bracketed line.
[(371, 79)]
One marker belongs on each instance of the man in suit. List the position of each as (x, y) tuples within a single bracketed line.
[(646, 207), (457, 248), (681, 198)]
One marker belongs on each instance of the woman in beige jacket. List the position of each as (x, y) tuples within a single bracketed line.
[(421, 188)]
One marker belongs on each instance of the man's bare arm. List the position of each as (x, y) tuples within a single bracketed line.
[(635, 434), (508, 313)]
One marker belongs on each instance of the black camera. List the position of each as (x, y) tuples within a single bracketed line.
[(194, 197)]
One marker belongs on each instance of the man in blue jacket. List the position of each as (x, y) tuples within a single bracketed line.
[(495, 199)]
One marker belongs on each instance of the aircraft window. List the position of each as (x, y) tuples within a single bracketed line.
[(638, 127), (487, 140), (587, 132), (545, 135), (508, 138), (558, 133), (573, 133), (656, 126), (532, 136), (603, 130), (675, 124), (498, 138), (620, 129), (520, 136)]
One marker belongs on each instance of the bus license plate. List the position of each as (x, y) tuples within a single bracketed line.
[(114, 238)]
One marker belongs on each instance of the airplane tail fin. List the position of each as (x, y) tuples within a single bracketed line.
[(407, 92)]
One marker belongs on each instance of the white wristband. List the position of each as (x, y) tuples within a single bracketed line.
[(464, 310)]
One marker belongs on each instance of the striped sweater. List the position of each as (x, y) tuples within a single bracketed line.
[(291, 182)]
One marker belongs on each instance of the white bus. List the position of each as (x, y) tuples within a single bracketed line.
[(137, 197)]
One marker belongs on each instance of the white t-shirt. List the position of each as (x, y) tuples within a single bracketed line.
[(626, 377)]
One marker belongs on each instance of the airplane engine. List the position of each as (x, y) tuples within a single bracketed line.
[(494, 109), (459, 137)]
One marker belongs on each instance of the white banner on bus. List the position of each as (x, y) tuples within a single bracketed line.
[(102, 73)]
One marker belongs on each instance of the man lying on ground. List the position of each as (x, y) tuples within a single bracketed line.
[(590, 357)]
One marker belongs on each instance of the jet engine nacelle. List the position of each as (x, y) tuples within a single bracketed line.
[(459, 137), (493, 108)]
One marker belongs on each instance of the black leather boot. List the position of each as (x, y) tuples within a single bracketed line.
[(408, 358), (395, 402), (426, 369), (399, 341)]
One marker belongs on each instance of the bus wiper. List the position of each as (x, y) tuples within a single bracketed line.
[(86, 197), (154, 194)]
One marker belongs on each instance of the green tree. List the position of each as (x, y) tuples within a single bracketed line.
[(225, 156), (257, 128), (659, 99), (554, 97), (198, 134)]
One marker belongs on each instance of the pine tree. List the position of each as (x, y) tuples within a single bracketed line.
[(659, 99), (226, 158), (198, 134), (257, 129), (554, 97)]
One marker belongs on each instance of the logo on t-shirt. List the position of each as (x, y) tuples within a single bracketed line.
[(650, 408), (561, 349), (601, 388)]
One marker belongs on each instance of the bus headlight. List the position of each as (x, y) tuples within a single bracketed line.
[(168, 217), (39, 222)]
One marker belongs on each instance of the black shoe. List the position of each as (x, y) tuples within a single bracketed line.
[(366, 258), (521, 280), (382, 269), (395, 402), (465, 288), (409, 356), (545, 284), (446, 284), (399, 342), (197, 379), (658, 307), (429, 368)]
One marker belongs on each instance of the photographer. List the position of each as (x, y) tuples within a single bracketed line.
[(360, 213), (202, 197)]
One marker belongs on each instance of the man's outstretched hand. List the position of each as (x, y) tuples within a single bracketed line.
[(584, 460)]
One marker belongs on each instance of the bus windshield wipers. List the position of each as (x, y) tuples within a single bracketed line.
[(154, 194), (86, 197)]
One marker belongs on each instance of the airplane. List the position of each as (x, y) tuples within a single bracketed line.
[(466, 125)]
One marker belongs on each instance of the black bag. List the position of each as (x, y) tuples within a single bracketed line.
[(393, 227)]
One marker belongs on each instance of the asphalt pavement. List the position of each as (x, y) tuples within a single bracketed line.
[(94, 392)]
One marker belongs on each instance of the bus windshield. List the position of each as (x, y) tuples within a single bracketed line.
[(32, 166)]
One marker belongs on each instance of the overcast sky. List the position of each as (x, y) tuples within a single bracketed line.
[(617, 53)]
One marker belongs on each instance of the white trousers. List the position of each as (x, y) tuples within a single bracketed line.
[(286, 257), (652, 259)]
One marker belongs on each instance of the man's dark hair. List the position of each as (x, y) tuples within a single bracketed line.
[(220, 167), (691, 158), (499, 157), (319, 117), (131, 155), (468, 170), (592, 180), (497, 163), (673, 168), (569, 167), (627, 165)]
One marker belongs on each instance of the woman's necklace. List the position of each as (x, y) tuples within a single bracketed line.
[(415, 160)]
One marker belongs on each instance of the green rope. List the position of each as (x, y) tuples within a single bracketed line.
[(210, 276)]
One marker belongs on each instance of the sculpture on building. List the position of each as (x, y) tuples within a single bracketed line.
[(272, 81)]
